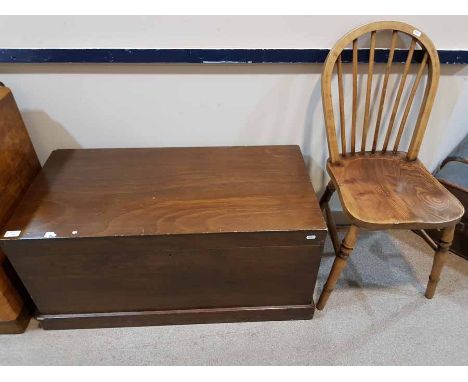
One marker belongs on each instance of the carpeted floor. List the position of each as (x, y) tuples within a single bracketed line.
[(376, 316)]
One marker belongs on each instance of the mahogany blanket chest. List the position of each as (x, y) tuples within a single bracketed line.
[(131, 237)]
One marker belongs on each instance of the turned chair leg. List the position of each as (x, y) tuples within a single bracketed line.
[(439, 260), (338, 265)]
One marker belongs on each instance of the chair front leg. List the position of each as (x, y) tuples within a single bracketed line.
[(440, 257), (338, 265)]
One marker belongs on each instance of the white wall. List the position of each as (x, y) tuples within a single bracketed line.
[(448, 32), (67, 106)]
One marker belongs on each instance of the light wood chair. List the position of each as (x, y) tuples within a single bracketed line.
[(386, 188)]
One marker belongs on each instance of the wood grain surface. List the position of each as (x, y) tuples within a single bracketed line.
[(380, 191), (127, 192), (18, 161)]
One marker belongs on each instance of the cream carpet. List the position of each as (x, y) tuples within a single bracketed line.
[(376, 316)]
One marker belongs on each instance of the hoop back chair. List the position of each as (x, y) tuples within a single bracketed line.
[(383, 188)]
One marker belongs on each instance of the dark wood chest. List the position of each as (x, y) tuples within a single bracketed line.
[(128, 237), (453, 174)]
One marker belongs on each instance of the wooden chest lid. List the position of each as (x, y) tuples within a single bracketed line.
[(167, 191)]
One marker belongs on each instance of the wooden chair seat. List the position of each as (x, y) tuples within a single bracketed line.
[(380, 191)]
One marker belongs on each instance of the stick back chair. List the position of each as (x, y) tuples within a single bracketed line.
[(383, 188)]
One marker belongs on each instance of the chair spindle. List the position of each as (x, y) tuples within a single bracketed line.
[(384, 90), (355, 100), (342, 111), (399, 94), (410, 103), (370, 72)]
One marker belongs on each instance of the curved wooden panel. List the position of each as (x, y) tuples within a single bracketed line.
[(18, 167)]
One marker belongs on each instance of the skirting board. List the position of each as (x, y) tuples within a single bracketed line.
[(176, 317)]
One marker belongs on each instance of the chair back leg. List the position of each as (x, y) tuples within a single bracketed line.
[(338, 265), (325, 207), (439, 260)]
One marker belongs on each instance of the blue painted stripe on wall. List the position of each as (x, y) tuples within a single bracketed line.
[(200, 56)]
